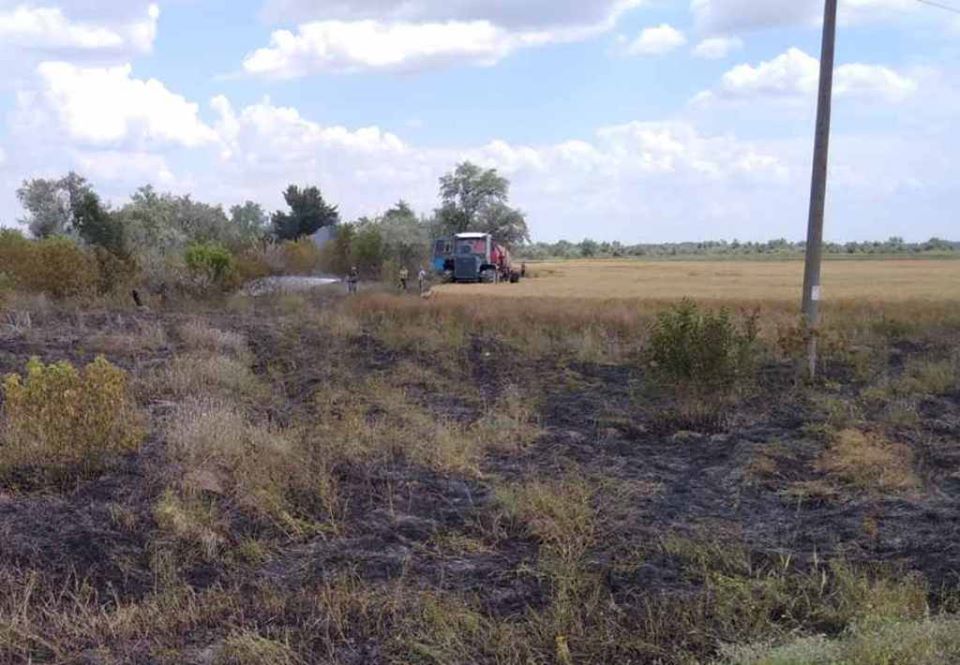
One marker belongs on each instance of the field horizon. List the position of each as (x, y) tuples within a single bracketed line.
[(881, 280)]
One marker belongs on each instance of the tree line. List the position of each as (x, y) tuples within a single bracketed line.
[(164, 238), (781, 248)]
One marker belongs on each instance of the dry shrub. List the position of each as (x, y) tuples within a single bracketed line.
[(867, 461), (148, 338), (253, 264), (65, 422), (265, 470), (301, 257), (198, 336), (57, 267)]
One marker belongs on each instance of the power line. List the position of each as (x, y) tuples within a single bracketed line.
[(948, 8)]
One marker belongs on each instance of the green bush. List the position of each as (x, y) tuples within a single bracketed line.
[(704, 355), (61, 423), (211, 265)]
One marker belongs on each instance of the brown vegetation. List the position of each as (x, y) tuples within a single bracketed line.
[(384, 479)]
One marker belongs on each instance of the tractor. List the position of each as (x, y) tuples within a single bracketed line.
[(473, 257)]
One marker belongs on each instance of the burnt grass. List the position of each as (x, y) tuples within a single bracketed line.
[(657, 477)]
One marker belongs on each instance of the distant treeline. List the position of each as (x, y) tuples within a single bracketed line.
[(781, 248)]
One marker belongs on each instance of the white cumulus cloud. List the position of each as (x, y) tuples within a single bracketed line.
[(657, 41), (513, 15), (103, 105), (796, 74), (350, 46), (405, 36), (31, 27), (717, 48), (733, 16)]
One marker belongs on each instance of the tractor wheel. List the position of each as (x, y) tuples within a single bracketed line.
[(514, 277)]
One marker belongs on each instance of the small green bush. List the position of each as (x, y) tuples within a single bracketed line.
[(211, 265), (702, 354), (61, 423)]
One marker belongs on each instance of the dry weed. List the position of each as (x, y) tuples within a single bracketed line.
[(866, 461)]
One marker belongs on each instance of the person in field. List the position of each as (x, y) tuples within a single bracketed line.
[(404, 276), (353, 279), (421, 279)]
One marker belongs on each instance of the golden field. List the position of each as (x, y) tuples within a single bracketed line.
[(874, 280)]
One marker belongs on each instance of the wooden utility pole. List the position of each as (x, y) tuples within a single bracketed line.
[(818, 191)]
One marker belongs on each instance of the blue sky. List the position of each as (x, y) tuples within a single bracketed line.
[(631, 120)]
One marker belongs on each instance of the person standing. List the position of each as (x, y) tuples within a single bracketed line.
[(421, 279), (404, 276), (353, 279)]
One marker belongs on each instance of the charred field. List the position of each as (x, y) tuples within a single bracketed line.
[(384, 479)]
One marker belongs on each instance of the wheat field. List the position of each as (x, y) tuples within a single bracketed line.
[(873, 280)]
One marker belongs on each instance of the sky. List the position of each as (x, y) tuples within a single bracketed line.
[(629, 120)]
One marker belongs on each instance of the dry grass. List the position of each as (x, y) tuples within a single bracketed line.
[(925, 642), (886, 281), (200, 374), (866, 461), (199, 336), (265, 471)]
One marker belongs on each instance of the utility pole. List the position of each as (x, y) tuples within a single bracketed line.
[(818, 191)]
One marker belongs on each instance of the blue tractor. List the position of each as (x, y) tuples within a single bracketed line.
[(472, 257)]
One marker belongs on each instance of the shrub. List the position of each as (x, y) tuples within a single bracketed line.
[(301, 257), (210, 265), (65, 423), (55, 266), (6, 287), (702, 354)]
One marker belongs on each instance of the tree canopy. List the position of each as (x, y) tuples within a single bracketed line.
[(308, 214), (476, 199)]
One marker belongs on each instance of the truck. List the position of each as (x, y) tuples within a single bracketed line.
[(473, 257)]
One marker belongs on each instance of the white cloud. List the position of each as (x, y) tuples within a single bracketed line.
[(105, 105), (512, 15), (657, 41), (121, 167), (717, 48), (405, 36), (734, 16), (48, 28), (795, 74), (350, 46)]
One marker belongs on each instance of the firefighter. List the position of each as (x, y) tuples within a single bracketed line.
[(353, 279), (421, 278), (404, 276)]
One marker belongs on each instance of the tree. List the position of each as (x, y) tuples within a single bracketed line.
[(475, 199), (308, 214), (406, 238), (97, 226), (249, 221), (50, 204), (589, 248), (366, 250)]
